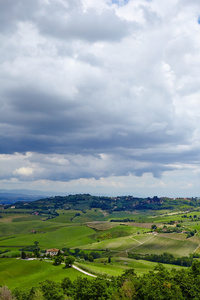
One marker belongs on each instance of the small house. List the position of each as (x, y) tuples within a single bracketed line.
[(52, 252)]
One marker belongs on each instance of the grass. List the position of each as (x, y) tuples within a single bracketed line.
[(15, 217), (142, 266), (65, 216), (28, 218), (175, 216), (116, 231), (148, 244), (67, 236), (100, 226), (122, 230), (12, 253), (174, 235), (120, 244), (118, 265), (122, 215), (25, 274), (158, 245), (69, 216), (67, 231), (25, 227)]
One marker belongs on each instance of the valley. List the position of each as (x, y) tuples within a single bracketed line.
[(102, 240)]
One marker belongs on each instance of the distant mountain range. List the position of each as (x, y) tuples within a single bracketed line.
[(15, 195), (12, 196)]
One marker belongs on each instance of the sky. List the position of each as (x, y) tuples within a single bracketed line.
[(100, 96)]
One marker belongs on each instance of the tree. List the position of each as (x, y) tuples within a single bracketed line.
[(36, 243), (76, 251), (86, 289), (5, 294), (66, 283), (21, 295), (127, 290), (69, 260), (58, 260), (51, 290), (59, 253), (36, 250), (90, 258), (153, 227), (36, 253), (23, 255), (196, 268), (35, 294)]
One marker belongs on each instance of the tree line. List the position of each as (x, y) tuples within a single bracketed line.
[(166, 258), (83, 202), (158, 284)]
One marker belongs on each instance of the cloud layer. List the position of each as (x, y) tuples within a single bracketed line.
[(98, 89)]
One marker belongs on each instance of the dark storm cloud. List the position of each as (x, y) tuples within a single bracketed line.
[(88, 26), (44, 123), (65, 20), (85, 93), (12, 11)]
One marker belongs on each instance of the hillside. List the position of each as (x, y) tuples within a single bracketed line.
[(105, 235), (111, 204)]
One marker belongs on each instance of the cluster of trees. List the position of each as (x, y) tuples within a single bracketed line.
[(166, 258), (191, 217), (178, 229), (76, 215), (81, 254), (33, 250), (69, 256), (157, 284), (170, 229), (104, 205), (4, 251), (191, 233), (121, 203), (122, 220), (59, 259)]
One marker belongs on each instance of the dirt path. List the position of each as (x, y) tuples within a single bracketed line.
[(139, 244), (73, 266), (196, 248), (82, 271), (136, 240)]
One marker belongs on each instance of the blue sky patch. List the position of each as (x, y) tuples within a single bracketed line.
[(120, 2)]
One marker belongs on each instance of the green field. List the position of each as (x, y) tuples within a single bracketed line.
[(69, 216), (148, 244), (25, 274), (67, 236), (118, 265), (158, 245), (91, 230), (119, 244)]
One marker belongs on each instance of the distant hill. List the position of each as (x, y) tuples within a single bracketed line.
[(110, 204), (12, 196)]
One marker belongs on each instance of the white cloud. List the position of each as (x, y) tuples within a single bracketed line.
[(96, 89), (26, 171)]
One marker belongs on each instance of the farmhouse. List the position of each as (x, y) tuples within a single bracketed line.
[(52, 252)]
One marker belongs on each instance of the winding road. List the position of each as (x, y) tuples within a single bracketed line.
[(82, 271)]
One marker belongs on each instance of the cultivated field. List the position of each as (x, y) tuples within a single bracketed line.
[(91, 230)]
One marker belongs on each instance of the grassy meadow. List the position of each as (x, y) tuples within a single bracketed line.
[(25, 274), (91, 230), (119, 264)]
